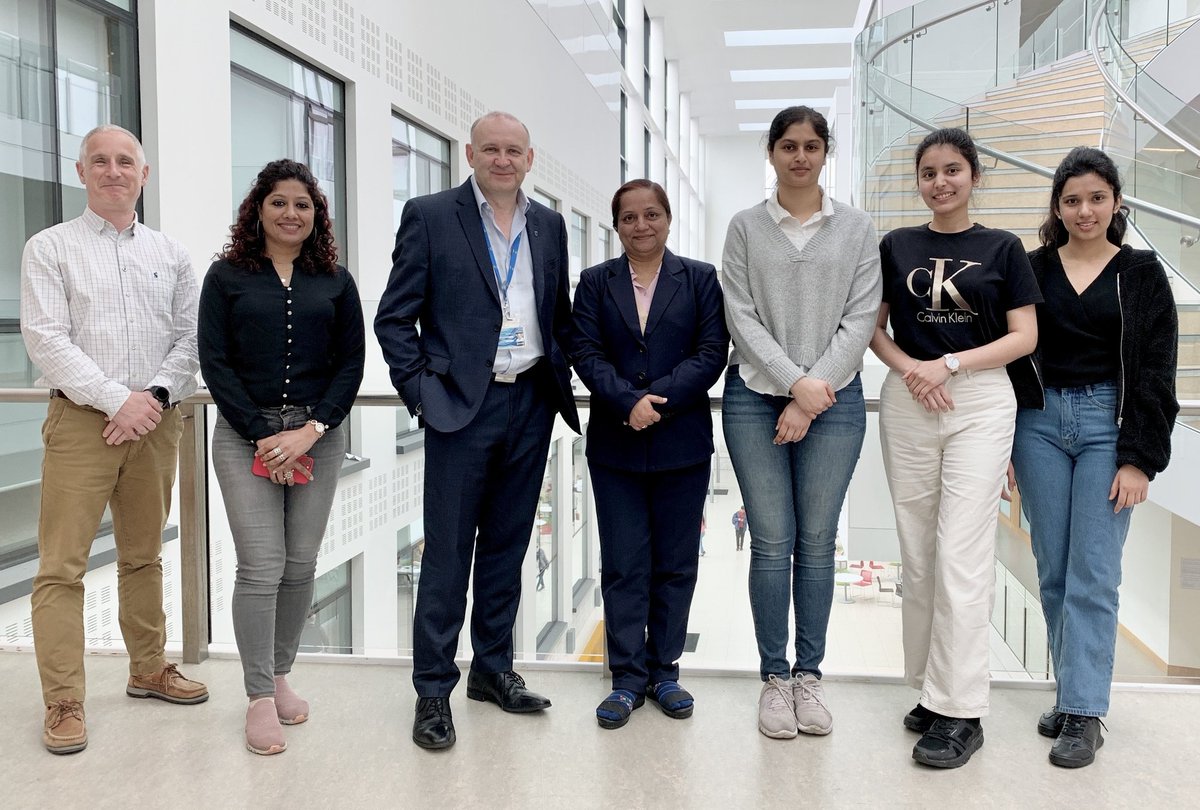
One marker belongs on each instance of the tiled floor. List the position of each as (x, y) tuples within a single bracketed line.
[(355, 751)]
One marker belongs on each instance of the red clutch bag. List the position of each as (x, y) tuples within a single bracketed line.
[(258, 468)]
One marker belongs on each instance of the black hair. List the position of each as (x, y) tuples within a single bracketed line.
[(960, 140), (798, 115), (1080, 161), (643, 184)]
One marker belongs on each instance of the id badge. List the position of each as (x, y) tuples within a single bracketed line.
[(512, 336)]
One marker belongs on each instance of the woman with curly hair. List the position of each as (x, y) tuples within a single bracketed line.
[(282, 351)]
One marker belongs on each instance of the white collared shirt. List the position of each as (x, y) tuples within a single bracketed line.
[(798, 233), (522, 302), (107, 312)]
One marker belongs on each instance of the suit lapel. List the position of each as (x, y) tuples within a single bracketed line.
[(472, 225), (620, 287), (668, 284), (534, 225)]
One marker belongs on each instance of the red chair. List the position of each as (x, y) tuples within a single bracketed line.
[(868, 579), (858, 564), (877, 566)]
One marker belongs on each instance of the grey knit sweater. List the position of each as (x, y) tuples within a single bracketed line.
[(811, 312)]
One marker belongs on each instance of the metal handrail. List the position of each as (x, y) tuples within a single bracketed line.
[(1136, 203), (1125, 98), (928, 23)]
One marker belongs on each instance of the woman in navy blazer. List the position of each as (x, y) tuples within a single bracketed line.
[(649, 340)]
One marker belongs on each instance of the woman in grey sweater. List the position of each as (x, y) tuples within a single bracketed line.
[(802, 288)]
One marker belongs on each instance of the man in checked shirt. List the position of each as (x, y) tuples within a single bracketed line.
[(108, 313)]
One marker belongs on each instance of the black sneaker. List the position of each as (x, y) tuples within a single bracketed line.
[(920, 719), (1076, 746), (1050, 723), (949, 742)]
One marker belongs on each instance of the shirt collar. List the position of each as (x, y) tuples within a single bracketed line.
[(779, 213), (483, 205), (98, 223)]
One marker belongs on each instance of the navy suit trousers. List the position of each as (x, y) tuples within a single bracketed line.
[(485, 479)]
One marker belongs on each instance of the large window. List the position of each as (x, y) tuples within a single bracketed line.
[(537, 195), (624, 138), (420, 164), (284, 108), (578, 245), (65, 67), (619, 22)]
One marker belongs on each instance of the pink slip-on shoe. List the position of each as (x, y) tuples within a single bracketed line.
[(264, 735), (291, 708)]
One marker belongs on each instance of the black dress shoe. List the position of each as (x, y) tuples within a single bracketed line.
[(1050, 724), (433, 726), (505, 689), (1077, 744), (949, 742)]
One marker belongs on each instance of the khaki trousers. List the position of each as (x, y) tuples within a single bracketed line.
[(80, 475), (945, 472)]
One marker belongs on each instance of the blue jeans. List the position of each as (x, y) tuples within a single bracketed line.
[(277, 532), (1065, 459), (793, 495)]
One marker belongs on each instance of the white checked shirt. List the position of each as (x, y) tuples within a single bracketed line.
[(105, 313)]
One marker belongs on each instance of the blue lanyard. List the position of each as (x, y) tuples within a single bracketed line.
[(512, 265)]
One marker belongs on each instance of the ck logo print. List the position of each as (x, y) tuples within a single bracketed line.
[(946, 303)]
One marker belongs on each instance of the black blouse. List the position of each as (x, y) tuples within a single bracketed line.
[(264, 345), (1079, 334)]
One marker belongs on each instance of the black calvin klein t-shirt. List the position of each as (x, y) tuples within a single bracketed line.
[(949, 292)]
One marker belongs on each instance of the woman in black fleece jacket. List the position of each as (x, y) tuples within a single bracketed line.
[(1093, 428)]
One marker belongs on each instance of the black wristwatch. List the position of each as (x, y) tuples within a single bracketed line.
[(161, 394)]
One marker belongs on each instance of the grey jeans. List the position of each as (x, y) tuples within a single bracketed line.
[(277, 531)]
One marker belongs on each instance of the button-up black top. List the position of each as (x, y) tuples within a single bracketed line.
[(264, 345)]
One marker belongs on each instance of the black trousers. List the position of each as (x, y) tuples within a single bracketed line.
[(481, 493), (649, 527)]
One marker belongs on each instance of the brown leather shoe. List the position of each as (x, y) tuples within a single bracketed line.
[(167, 684), (65, 731)]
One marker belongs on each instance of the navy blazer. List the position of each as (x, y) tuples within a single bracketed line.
[(680, 357), (442, 280)]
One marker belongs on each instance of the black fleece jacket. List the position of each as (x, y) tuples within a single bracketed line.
[(1149, 347)]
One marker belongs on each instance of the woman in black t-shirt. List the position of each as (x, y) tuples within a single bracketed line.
[(282, 350), (960, 301), (1088, 444)]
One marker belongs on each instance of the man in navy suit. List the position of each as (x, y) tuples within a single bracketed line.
[(474, 325)]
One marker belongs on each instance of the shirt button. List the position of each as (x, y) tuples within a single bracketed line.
[(285, 396), (289, 311), (488, 363), (289, 301), (289, 339), (289, 327), (641, 375), (285, 382)]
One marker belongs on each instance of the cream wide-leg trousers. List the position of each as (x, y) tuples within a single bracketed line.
[(946, 471)]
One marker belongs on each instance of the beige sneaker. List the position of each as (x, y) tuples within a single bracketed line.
[(64, 731), (777, 709), (167, 684), (812, 716)]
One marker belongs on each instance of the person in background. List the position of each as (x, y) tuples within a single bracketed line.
[(739, 526), (801, 280), (1092, 432), (108, 313), (649, 342), (282, 349), (960, 299)]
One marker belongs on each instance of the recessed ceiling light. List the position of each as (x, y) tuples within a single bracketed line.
[(790, 36), (761, 126), (780, 103), (790, 74)]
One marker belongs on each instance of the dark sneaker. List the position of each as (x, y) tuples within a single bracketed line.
[(920, 719), (1078, 742), (949, 742), (1050, 723)]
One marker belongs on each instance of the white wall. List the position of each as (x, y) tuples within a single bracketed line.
[(736, 166)]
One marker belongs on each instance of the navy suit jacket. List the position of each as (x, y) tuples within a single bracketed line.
[(681, 356), (442, 281)]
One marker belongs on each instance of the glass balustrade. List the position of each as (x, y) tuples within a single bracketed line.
[(369, 566)]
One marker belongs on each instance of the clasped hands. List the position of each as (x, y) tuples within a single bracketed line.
[(643, 414), (811, 397), (139, 415), (926, 381), (291, 445)]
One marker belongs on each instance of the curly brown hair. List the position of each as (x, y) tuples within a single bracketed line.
[(246, 246)]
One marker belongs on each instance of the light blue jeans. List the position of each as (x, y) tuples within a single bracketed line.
[(277, 532), (793, 495), (1065, 459)]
